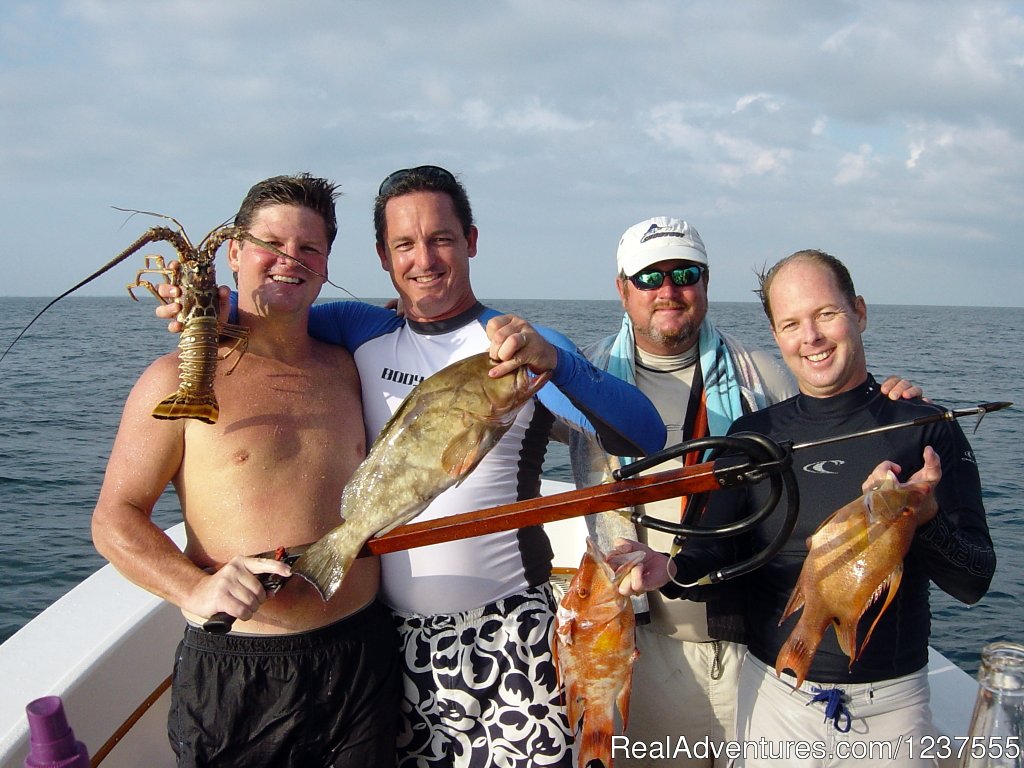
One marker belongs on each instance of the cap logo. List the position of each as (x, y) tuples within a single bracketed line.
[(656, 231)]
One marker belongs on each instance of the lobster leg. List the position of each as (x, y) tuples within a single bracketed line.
[(241, 335), (155, 265)]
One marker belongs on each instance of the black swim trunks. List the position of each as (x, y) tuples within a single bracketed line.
[(328, 697)]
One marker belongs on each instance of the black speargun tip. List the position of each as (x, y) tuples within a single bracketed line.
[(982, 409), (998, 406)]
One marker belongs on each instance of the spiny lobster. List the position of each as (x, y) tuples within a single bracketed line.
[(194, 274)]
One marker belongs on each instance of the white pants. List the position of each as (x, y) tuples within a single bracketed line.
[(680, 692), (777, 726)]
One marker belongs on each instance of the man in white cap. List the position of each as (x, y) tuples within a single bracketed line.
[(700, 380)]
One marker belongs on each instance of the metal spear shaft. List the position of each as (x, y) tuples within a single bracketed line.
[(625, 491)]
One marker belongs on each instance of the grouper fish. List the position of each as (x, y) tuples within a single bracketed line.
[(854, 557), (594, 650), (438, 435)]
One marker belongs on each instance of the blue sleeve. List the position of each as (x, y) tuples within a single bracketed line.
[(347, 324), (350, 323), (589, 399)]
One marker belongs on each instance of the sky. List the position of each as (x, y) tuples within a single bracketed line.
[(889, 133)]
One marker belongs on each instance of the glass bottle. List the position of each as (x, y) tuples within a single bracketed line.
[(997, 725)]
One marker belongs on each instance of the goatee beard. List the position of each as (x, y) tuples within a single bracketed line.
[(678, 341)]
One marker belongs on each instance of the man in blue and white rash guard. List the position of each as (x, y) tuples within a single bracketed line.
[(474, 615)]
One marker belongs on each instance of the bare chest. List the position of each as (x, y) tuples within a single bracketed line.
[(275, 418)]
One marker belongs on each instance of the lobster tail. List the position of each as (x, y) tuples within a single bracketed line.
[(182, 405)]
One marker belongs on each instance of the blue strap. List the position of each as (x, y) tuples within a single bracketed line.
[(835, 706)]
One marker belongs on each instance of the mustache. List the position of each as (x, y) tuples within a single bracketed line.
[(669, 304)]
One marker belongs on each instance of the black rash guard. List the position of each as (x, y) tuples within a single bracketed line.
[(954, 549)]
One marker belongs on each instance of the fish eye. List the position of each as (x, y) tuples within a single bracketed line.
[(583, 592)]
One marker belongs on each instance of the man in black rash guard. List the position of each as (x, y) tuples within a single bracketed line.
[(883, 697)]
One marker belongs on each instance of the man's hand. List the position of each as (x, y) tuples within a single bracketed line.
[(653, 572), (930, 473), (515, 343), (170, 310), (235, 588), (896, 388)]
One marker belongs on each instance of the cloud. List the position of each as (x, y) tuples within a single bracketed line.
[(529, 118), (854, 124), (855, 167), (764, 100)]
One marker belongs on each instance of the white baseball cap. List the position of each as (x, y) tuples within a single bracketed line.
[(658, 239)]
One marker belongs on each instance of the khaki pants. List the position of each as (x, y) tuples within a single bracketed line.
[(679, 711), (890, 722)]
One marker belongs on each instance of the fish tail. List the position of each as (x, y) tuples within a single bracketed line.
[(324, 566), (183, 405), (796, 654), (596, 744)]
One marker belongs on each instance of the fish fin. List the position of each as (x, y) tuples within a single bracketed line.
[(888, 483), (796, 602), (622, 700), (629, 561), (846, 634), (575, 705), (596, 743), (465, 450), (891, 585), (323, 566), (564, 630), (570, 689), (182, 405)]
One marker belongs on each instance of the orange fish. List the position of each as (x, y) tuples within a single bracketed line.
[(855, 556), (594, 649)]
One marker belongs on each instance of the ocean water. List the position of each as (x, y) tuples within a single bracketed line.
[(63, 385)]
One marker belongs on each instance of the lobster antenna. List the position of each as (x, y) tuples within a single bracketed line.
[(109, 265), (133, 212), (263, 244)]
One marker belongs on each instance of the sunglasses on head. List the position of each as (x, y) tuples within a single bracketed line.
[(651, 279), (434, 172)]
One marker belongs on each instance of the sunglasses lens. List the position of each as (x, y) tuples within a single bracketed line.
[(434, 172), (648, 281), (683, 276)]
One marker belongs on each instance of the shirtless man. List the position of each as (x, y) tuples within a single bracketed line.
[(298, 681)]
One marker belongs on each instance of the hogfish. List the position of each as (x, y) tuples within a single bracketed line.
[(854, 557)]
